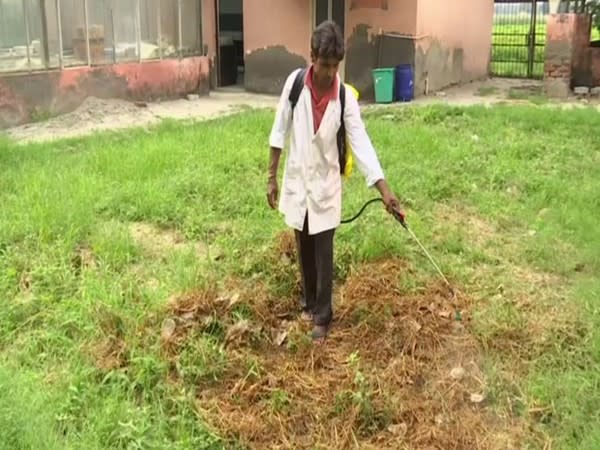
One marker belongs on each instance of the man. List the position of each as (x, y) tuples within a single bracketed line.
[(311, 195)]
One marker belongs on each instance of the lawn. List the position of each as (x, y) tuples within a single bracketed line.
[(147, 290)]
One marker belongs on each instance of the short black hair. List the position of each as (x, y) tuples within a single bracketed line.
[(327, 41)]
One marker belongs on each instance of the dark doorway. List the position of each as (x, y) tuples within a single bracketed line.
[(230, 38), (330, 10)]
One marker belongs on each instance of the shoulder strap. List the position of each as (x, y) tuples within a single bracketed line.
[(341, 134), (297, 88), (343, 99)]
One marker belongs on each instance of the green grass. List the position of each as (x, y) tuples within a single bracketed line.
[(532, 176)]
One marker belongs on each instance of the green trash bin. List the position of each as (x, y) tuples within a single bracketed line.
[(383, 80)]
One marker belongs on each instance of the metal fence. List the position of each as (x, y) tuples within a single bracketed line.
[(519, 38), (47, 34)]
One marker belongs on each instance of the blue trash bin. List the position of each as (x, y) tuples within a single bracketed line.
[(405, 88)]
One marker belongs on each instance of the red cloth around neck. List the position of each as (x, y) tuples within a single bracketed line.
[(319, 102)]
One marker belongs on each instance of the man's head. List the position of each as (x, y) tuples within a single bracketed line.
[(327, 50)]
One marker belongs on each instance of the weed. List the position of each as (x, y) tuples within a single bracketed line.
[(254, 368), (242, 311), (202, 360), (370, 418), (279, 401)]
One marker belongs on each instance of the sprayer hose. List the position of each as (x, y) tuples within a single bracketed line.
[(379, 199)]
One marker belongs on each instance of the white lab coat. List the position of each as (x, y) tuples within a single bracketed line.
[(312, 181)]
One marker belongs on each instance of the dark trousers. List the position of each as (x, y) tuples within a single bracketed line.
[(315, 254)]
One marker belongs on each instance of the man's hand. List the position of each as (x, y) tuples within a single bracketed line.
[(272, 192), (392, 204)]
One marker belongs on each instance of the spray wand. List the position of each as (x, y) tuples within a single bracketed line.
[(400, 218)]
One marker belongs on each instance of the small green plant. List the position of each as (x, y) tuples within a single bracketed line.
[(254, 368), (298, 342), (343, 402), (370, 418), (203, 360), (279, 401), (242, 311)]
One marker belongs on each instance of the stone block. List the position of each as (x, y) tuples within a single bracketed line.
[(581, 90), (557, 88)]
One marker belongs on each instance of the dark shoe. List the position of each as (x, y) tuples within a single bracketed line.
[(319, 333)]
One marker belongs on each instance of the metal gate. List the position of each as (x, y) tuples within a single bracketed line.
[(519, 38)]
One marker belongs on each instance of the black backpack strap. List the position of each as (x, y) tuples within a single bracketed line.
[(343, 100), (297, 88), (341, 134)]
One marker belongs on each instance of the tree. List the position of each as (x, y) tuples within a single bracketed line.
[(593, 8)]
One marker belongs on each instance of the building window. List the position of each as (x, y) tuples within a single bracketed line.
[(27, 37), (191, 22), (330, 10), (43, 34), (73, 32), (169, 36)]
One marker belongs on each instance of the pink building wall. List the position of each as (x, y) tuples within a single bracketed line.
[(370, 26), (276, 41), (61, 91), (394, 17), (209, 37), (453, 42), (448, 45)]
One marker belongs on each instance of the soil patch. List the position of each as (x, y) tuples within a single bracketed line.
[(159, 242), (108, 354), (398, 370)]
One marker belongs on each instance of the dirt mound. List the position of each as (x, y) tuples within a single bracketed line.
[(92, 115), (398, 370), (97, 110)]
